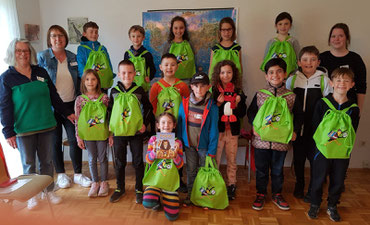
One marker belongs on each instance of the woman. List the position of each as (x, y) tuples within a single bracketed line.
[(27, 95), (61, 65), (340, 56)]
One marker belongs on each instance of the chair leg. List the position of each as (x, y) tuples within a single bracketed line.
[(49, 203)]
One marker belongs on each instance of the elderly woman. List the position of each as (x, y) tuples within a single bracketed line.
[(62, 67), (27, 96)]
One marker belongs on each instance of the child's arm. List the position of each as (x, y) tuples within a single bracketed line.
[(179, 161), (252, 110), (179, 124), (355, 117), (267, 49), (154, 91), (213, 130), (81, 59), (150, 65), (296, 46), (210, 62), (288, 83), (298, 118), (78, 107), (151, 154), (318, 114), (147, 107), (241, 108)]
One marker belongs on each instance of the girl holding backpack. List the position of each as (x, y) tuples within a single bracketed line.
[(92, 129)]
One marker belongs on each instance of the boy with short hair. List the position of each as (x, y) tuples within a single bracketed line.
[(309, 83), (198, 127), (89, 43), (141, 57), (333, 136), (270, 155), (129, 111)]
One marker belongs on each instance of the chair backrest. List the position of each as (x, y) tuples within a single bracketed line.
[(4, 174)]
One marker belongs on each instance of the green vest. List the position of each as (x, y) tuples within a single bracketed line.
[(284, 50), (185, 59), (126, 118), (99, 62), (335, 135), (274, 121), (221, 54), (32, 107), (92, 123), (169, 100), (140, 68)]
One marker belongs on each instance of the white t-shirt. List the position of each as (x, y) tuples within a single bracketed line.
[(64, 83)]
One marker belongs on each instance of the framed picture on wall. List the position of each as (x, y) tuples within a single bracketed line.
[(202, 28), (32, 32), (75, 29)]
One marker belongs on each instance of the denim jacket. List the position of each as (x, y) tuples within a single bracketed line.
[(47, 60)]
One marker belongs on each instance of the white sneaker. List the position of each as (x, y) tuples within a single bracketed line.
[(82, 180), (33, 203), (54, 198), (63, 181)]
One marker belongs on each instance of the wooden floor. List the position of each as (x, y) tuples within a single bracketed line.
[(77, 208)]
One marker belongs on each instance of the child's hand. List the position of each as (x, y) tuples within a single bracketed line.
[(110, 141), (221, 99), (294, 136), (81, 144), (143, 128), (72, 118), (237, 99), (147, 79)]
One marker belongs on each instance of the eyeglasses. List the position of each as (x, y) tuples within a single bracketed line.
[(20, 51), (56, 35), (226, 30)]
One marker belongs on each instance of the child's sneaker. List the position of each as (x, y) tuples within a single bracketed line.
[(104, 189), (307, 197), (187, 202), (33, 203), (93, 193), (231, 191), (313, 212), (82, 180), (139, 197), (333, 213), (63, 180), (259, 202), (280, 202), (116, 196)]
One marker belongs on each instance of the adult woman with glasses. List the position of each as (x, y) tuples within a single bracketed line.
[(61, 65), (27, 97)]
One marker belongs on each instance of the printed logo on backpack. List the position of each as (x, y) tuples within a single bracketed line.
[(222, 54), (274, 121), (140, 68), (126, 118), (99, 62), (185, 59), (162, 174), (169, 100), (335, 135)]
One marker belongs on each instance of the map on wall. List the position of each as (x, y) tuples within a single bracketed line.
[(202, 27)]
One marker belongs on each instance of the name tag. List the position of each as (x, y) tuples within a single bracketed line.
[(345, 66), (40, 79), (73, 64)]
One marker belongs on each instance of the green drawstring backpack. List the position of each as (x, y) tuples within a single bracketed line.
[(162, 174), (140, 68), (335, 135), (222, 54), (92, 124), (209, 189), (274, 121), (284, 50), (185, 59), (126, 118), (169, 100), (99, 62)]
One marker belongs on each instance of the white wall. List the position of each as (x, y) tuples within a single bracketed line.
[(312, 21)]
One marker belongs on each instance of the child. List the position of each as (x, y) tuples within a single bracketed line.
[(166, 123), (178, 44), (142, 59), (227, 48), (309, 84), (92, 129), (231, 102), (198, 127), (130, 111), (161, 102), (334, 165), (283, 45), (271, 155), (92, 55)]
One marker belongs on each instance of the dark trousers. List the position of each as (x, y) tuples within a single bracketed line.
[(336, 169), (266, 160), (303, 148), (120, 154), (75, 153)]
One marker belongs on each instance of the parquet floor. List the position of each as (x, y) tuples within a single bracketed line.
[(77, 208)]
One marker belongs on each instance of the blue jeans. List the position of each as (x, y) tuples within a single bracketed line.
[(194, 160), (266, 160), (37, 145), (75, 152)]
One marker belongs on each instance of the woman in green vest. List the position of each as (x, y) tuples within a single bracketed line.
[(27, 96)]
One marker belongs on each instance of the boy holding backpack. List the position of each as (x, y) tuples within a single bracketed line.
[(129, 111), (92, 55), (335, 121), (271, 114)]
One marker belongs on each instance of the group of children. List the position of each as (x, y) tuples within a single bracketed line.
[(207, 117)]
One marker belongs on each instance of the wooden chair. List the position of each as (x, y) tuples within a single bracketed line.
[(25, 186)]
